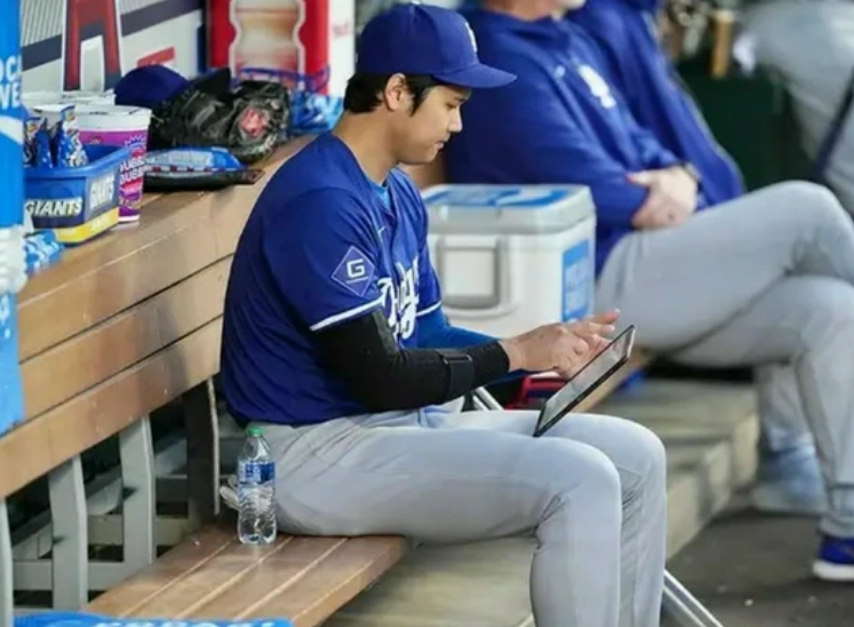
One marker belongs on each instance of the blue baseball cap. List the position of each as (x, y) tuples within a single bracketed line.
[(414, 38), (150, 85)]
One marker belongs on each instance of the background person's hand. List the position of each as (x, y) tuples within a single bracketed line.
[(564, 348), (672, 197)]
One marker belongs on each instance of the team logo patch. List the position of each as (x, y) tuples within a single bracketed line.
[(598, 87), (355, 271)]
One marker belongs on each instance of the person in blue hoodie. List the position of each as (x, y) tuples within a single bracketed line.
[(747, 282), (625, 34)]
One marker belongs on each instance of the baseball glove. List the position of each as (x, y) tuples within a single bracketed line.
[(249, 122)]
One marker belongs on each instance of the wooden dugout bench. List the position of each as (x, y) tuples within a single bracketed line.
[(120, 327)]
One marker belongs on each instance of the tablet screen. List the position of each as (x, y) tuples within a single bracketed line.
[(587, 379)]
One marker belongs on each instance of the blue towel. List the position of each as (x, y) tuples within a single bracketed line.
[(42, 249), (312, 111)]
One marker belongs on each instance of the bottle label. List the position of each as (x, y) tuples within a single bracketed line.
[(256, 472)]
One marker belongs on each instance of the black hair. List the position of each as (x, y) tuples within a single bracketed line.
[(364, 91)]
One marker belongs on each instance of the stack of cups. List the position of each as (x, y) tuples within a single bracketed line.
[(115, 125)]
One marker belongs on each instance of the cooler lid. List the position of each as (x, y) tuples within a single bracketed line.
[(506, 209)]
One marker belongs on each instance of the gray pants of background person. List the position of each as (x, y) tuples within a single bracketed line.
[(592, 492), (766, 281), (811, 44)]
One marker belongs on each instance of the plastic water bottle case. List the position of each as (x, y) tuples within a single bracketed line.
[(286, 40)]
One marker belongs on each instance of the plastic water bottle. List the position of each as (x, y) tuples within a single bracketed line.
[(256, 492)]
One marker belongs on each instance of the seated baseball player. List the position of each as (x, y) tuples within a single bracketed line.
[(624, 34), (765, 280), (334, 339)]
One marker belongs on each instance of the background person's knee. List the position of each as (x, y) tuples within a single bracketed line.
[(819, 310), (816, 203), (833, 306)]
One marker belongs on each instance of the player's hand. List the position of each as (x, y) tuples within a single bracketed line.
[(564, 348), (671, 200)]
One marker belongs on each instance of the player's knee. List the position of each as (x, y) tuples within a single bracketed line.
[(572, 468), (645, 451)]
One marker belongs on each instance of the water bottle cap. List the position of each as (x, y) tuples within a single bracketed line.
[(255, 431)]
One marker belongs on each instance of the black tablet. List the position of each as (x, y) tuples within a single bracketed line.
[(609, 360)]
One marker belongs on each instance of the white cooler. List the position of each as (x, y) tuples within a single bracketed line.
[(512, 257)]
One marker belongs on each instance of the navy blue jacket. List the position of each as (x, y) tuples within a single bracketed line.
[(559, 122), (624, 32)]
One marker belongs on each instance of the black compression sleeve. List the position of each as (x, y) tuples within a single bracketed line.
[(384, 377)]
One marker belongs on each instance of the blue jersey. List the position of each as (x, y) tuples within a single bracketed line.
[(323, 245)]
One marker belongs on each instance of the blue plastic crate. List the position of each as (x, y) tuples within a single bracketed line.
[(80, 203)]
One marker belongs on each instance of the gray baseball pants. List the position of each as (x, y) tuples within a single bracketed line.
[(592, 491), (765, 281)]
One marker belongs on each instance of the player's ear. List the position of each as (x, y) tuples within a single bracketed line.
[(396, 95)]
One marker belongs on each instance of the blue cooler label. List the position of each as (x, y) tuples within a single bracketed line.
[(11, 117), (577, 281)]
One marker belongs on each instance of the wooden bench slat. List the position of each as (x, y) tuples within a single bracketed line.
[(122, 282), (42, 444), (204, 583), (193, 553), (162, 218), (212, 576), (96, 283), (353, 567), (88, 359), (224, 585), (269, 578)]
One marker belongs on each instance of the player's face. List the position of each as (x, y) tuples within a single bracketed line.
[(425, 132)]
